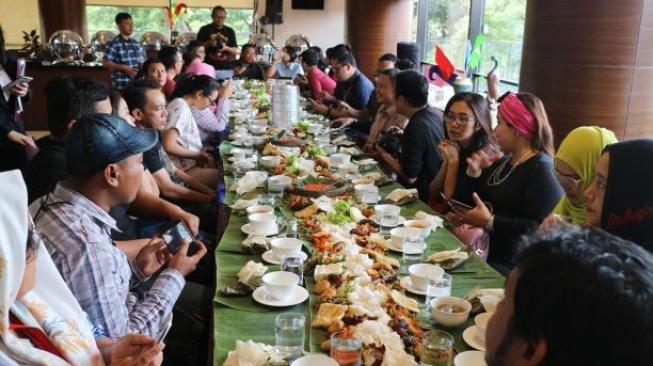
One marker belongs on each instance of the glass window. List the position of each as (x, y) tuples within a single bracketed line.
[(504, 27), (100, 17), (448, 26)]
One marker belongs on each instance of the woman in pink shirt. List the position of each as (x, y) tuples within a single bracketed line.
[(317, 80), (195, 61)]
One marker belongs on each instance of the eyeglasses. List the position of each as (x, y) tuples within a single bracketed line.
[(451, 117), (211, 101), (567, 180)]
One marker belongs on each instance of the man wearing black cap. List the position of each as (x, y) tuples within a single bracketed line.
[(104, 168)]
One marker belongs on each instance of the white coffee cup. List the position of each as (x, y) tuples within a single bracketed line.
[(280, 284), (285, 246), (420, 274), (262, 222), (399, 234), (260, 209)]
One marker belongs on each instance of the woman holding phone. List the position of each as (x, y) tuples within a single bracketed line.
[(13, 139)]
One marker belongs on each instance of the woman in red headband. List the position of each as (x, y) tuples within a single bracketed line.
[(520, 187)]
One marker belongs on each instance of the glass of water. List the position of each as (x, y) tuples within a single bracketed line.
[(294, 264), (291, 227), (388, 218), (289, 334), (412, 250), (438, 287), (266, 200), (437, 349)]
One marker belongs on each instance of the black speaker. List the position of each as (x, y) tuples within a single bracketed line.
[(308, 4), (274, 11)]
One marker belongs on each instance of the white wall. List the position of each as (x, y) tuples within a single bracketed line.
[(325, 28), (16, 17)]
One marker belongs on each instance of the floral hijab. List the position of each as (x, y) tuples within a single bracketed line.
[(49, 306)]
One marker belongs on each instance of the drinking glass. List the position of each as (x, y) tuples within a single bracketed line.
[(295, 264), (370, 195), (346, 349), (266, 200), (437, 349), (388, 218), (412, 250), (291, 227), (289, 334), (438, 287)]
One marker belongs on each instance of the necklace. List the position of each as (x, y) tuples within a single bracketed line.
[(496, 178)]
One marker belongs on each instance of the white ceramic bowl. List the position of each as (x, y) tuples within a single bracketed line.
[(379, 209), (280, 180), (470, 358), (399, 234), (285, 246), (262, 222), (264, 209), (422, 225), (314, 360), (450, 319), (481, 321), (339, 159), (420, 274), (270, 162), (259, 175), (259, 140), (258, 129), (348, 168), (280, 284)]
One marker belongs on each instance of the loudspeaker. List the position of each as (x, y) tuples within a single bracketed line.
[(274, 11)]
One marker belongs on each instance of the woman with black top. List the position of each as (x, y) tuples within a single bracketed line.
[(520, 187), (468, 129), (13, 139)]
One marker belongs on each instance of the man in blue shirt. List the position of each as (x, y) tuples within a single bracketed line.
[(123, 54)]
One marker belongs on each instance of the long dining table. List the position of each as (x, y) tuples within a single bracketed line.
[(242, 318)]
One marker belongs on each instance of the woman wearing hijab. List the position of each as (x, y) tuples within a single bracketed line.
[(520, 187), (619, 200), (575, 163), (41, 323)]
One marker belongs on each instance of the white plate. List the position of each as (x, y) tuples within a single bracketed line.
[(270, 258), (399, 222), (314, 360), (408, 285), (298, 296), (470, 358), (473, 337), (247, 230)]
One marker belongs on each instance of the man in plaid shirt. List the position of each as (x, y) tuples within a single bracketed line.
[(123, 55)]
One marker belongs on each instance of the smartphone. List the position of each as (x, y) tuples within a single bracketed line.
[(174, 236), (20, 80), (453, 202)]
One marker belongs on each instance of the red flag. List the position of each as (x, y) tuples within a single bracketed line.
[(443, 62)]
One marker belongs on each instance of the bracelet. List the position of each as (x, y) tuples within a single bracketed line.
[(490, 224)]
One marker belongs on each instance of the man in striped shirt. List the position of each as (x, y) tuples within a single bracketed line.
[(104, 168)]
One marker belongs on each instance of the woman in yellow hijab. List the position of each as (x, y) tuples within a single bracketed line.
[(575, 163)]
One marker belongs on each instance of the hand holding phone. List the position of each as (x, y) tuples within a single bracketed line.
[(20, 81), (455, 203), (175, 235)]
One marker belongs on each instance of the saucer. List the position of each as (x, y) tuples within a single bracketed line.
[(247, 230), (470, 358), (298, 296), (473, 337), (399, 222), (270, 258), (399, 250), (408, 285)]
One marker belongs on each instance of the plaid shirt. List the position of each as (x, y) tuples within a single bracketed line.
[(126, 52), (213, 119), (77, 234)]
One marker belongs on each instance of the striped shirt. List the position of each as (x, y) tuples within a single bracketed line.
[(213, 119), (125, 52), (77, 234)]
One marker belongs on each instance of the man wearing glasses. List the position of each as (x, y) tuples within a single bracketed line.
[(219, 40)]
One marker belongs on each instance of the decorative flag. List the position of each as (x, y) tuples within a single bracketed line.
[(446, 67), (475, 56)]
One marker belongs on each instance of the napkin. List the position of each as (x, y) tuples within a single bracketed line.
[(435, 221), (246, 184), (489, 298), (251, 353), (447, 255), (251, 270), (401, 195), (353, 151), (242, 204), (324, 203)]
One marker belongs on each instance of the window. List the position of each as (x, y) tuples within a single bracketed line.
[(100, 17), (504, 27), (448, 25)]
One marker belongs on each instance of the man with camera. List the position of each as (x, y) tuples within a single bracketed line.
[(219, 40)]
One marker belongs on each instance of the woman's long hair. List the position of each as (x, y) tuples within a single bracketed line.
[(481, 110), (189, 84)]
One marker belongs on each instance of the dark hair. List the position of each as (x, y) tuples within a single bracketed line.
[(587, 294), (69, 98), (168, 56), (292, 52), (321, 64), (216, 9), (190, 50), (347, 58), (135, 93), (392, 74), (246, 46), (413, 87), (388, 57), (481, 112), (405, 64), (146, 66), (189, 84), (336, 51), (310, 57), (122, 16), (543, 137)]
